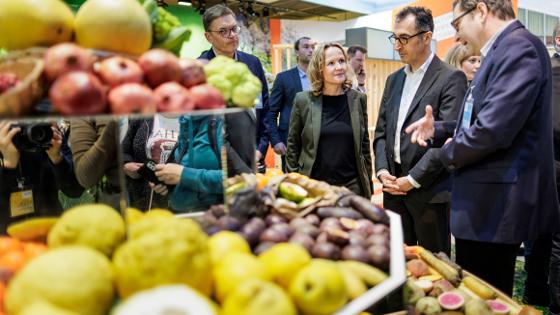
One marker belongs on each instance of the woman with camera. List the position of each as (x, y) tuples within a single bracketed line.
[(35, 163)]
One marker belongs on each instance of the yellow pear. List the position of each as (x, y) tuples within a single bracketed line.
[(120, 26), (28, 23)]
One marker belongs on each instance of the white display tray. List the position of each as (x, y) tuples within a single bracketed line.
[(397, 269)]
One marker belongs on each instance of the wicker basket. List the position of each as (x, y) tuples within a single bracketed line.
[(19, 101)]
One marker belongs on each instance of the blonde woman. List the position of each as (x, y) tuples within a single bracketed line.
[(460, 57), (328, 138)]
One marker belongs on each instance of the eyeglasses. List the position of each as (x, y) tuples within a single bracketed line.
[(455, 22), (226, 32), (403, 40)]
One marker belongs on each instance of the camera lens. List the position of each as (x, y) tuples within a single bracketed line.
[(40, 134)]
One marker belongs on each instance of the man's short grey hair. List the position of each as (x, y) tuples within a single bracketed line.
[(213, 13), (503, 9)]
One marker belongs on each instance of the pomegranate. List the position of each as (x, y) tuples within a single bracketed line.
[(132, 98), (207, 97), (78, 93), (66, 57), (118, 70), (160, 66), (8, 80), (192, 72), (173, 97)]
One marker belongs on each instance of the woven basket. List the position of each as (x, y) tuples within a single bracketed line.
[(19, 101)]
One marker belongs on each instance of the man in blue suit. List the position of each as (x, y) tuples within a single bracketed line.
[(221, 30), (285, 87), (500, 150)]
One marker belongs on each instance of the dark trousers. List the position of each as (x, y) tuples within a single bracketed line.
[(492, 262), (283, 158), (554, 271), (425, 224), (537, 261)]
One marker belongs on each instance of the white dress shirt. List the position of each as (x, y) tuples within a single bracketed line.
[(411, 85), (486, 48)]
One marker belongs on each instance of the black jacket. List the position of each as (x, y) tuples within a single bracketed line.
[(556, 111), (134, 150), (44, 179), (442, 87)]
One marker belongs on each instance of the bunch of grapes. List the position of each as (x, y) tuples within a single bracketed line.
[(164, 24), (7, 81)]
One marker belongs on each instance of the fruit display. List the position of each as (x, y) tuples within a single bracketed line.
[(436, 285), (8, 80), (234, 79)]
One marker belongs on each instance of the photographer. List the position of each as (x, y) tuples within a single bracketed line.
[(35, 164)]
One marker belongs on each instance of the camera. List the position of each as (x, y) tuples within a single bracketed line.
[(33, 137), (148, 172)]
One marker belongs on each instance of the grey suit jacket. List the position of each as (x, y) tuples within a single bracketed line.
[(442, 87), (305, 131)]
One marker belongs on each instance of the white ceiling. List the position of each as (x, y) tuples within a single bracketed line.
[(363, 6)]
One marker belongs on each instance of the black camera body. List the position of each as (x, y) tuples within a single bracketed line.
[(33, 137), (148, 172)]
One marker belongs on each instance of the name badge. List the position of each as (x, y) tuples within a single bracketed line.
[(21, 203), (468, 111)]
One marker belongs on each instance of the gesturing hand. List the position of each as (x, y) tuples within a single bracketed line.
[(422, 129), (131, 169), (280, 148), (404, 184), (56, 143)]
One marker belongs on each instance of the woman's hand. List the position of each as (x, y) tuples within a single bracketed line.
[(169, 173), (159, 188), (56, 143), (131, 169), (9, 151)]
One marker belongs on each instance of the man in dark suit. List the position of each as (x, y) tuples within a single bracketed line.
[(414, 181), (285, 87), (501, 150), (221, 30), (554, 276)]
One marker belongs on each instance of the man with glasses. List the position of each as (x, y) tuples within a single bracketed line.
[(221, 30), (501, 148), (286, 85), (415, 184)]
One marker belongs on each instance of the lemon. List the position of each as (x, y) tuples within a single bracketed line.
[(44, 308), (283, 261), (257, 297), (96, 225), (28, 23), (319, 288), (121, 26), (133, 215), (235, 268), (225, 242), (171, 251), (76, 278)]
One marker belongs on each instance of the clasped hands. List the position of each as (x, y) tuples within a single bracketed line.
[(395, 186)]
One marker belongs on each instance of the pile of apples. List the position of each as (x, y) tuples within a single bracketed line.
[(157, 82)]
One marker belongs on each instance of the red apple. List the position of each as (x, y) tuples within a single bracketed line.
[(173, 97), (78, 93), (207, 97), (160, 66), (66, 57), (192, 72), (118, 70), (132, 98)]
